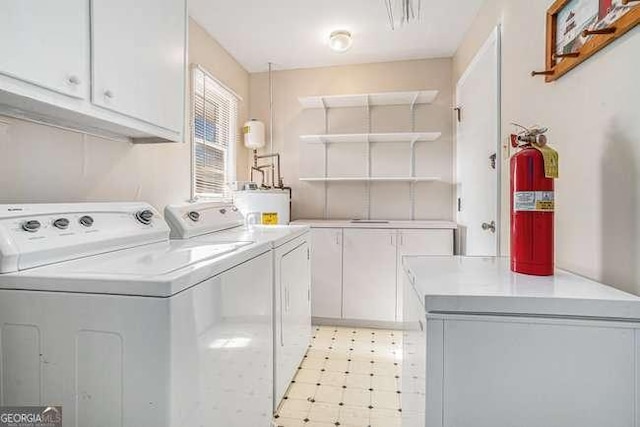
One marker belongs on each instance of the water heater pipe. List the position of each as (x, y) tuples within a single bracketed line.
[(271, 110)]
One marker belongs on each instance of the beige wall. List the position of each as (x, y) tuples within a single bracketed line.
[(39, 163), (594, 118), (389, 201)]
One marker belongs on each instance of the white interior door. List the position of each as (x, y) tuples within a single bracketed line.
[(478, 142)]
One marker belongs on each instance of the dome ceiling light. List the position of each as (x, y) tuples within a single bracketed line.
[(340, 41)]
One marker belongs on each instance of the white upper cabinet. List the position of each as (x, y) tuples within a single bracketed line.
[(113, 68), (46, 43), (138, 61)]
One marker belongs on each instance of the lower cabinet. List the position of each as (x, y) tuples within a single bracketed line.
[(420, 242), (356, 272), (369, 275), (326, 272)]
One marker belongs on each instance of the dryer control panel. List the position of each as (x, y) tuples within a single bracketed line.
[(32, 235), (195, 219)]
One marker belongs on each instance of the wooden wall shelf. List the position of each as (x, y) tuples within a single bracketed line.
[(600, 33)]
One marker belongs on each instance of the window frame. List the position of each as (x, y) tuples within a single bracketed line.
[(234, 133)]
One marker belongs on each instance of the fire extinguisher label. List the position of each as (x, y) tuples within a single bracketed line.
[(534, 201)]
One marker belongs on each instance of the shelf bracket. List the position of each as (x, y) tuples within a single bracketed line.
[(412, 160), (326, 157), (368, 183), (368, 114), (326, 115), (413, 111), (412, 174)]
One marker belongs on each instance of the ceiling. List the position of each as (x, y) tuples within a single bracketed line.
[(294, 33)]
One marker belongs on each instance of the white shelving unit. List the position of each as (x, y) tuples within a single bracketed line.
[(401, 137), (369, 100), (373, 179)]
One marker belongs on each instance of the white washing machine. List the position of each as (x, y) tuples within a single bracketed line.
[(200, 222), (101, 313)]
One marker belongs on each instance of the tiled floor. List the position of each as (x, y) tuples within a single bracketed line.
[(350, 377)]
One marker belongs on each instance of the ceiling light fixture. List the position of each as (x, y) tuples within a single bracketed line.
[(340, 41)]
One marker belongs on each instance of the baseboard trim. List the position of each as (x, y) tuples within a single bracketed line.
[(374, 324)]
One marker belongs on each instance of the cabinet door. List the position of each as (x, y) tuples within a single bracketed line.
[(326, 272), (421, 242), (138, 59), (295, 312), (425, 242), (46, 43), (369, 275)]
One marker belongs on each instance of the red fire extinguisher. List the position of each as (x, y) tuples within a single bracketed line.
[(533, 169)]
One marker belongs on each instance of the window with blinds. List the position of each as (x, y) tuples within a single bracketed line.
[(214, 135)]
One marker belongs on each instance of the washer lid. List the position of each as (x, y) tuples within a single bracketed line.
[(161, 269), (274, 235), (156, 260)]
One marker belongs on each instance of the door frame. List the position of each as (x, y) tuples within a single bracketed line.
[(494, 38)]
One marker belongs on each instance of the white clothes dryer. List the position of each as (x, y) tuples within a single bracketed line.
[(200, 222)]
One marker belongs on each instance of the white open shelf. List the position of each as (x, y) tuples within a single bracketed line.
[(372, 137), (373, 179), (369, 99)]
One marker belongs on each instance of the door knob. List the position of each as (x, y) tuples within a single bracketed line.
[(489, 226)]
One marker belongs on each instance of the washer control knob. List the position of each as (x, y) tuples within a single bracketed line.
[(86, 221), (31, 226), (61, 223), (194, 216), (223, 211), (144, 217)]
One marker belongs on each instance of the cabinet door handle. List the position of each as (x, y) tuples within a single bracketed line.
[(337, 238), (401, 239), (73, 80)]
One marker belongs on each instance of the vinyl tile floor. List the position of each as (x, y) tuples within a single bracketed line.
[(350, 377)]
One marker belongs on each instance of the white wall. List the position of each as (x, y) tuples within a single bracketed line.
[(594, 118), (39, 163), (388, 201)]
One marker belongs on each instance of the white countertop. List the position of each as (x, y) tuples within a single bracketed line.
[(488, 286), (347, 223)]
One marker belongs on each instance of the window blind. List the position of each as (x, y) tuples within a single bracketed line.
[(214, 135)]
